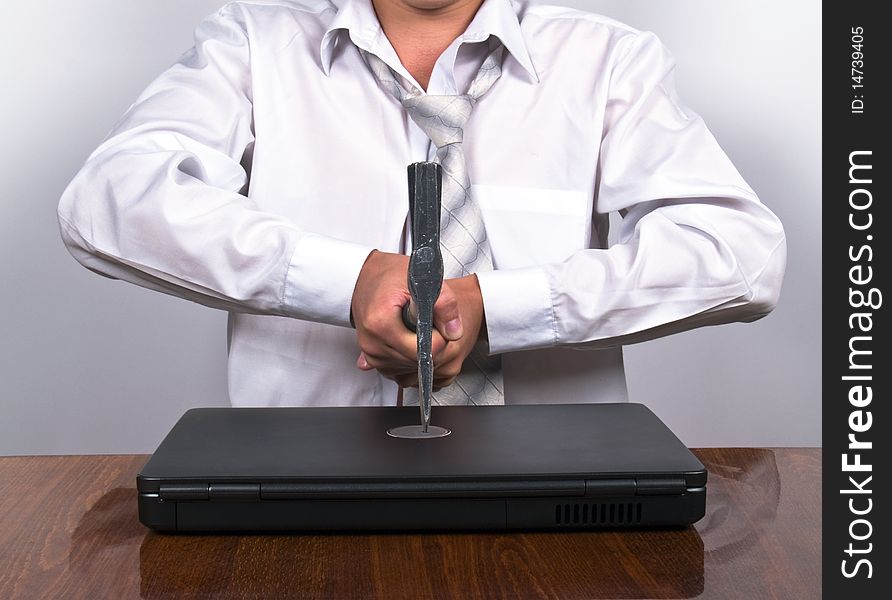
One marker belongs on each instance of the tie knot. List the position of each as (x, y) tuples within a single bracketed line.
[(440, 117)]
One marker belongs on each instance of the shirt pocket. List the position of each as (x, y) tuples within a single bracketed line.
[(533, 226)]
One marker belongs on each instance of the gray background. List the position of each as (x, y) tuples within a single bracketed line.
[(89, 365)]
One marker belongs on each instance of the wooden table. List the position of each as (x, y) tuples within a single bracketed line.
[(69, 529)]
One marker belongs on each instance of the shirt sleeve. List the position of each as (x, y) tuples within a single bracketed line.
[(161, 202), (695, 245)]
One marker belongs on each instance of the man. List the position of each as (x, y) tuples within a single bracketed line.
[(265, 174)]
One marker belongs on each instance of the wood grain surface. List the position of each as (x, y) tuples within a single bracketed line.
[(69, 529)]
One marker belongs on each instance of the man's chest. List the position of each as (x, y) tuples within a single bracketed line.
[(331, 154)]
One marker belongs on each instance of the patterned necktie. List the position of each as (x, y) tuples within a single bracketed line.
[(462, 234)]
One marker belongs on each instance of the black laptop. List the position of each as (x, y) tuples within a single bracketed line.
[(503, 467)]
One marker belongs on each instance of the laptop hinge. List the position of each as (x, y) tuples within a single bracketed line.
[(661, 486), (610, 487), (429, 489), (183, 491), (234, 491), (209, 491)]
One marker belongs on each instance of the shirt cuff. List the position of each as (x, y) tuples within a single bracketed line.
[(519, 310), (321, 278)]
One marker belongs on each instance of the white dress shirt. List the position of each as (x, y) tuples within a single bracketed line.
[(258, 172)]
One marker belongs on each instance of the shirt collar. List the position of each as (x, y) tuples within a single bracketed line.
[(358, 19)]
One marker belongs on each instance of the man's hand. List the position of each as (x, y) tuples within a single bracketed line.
[(384, 341), (447, 365)]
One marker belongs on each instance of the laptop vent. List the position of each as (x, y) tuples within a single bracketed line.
[(605, 513)]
